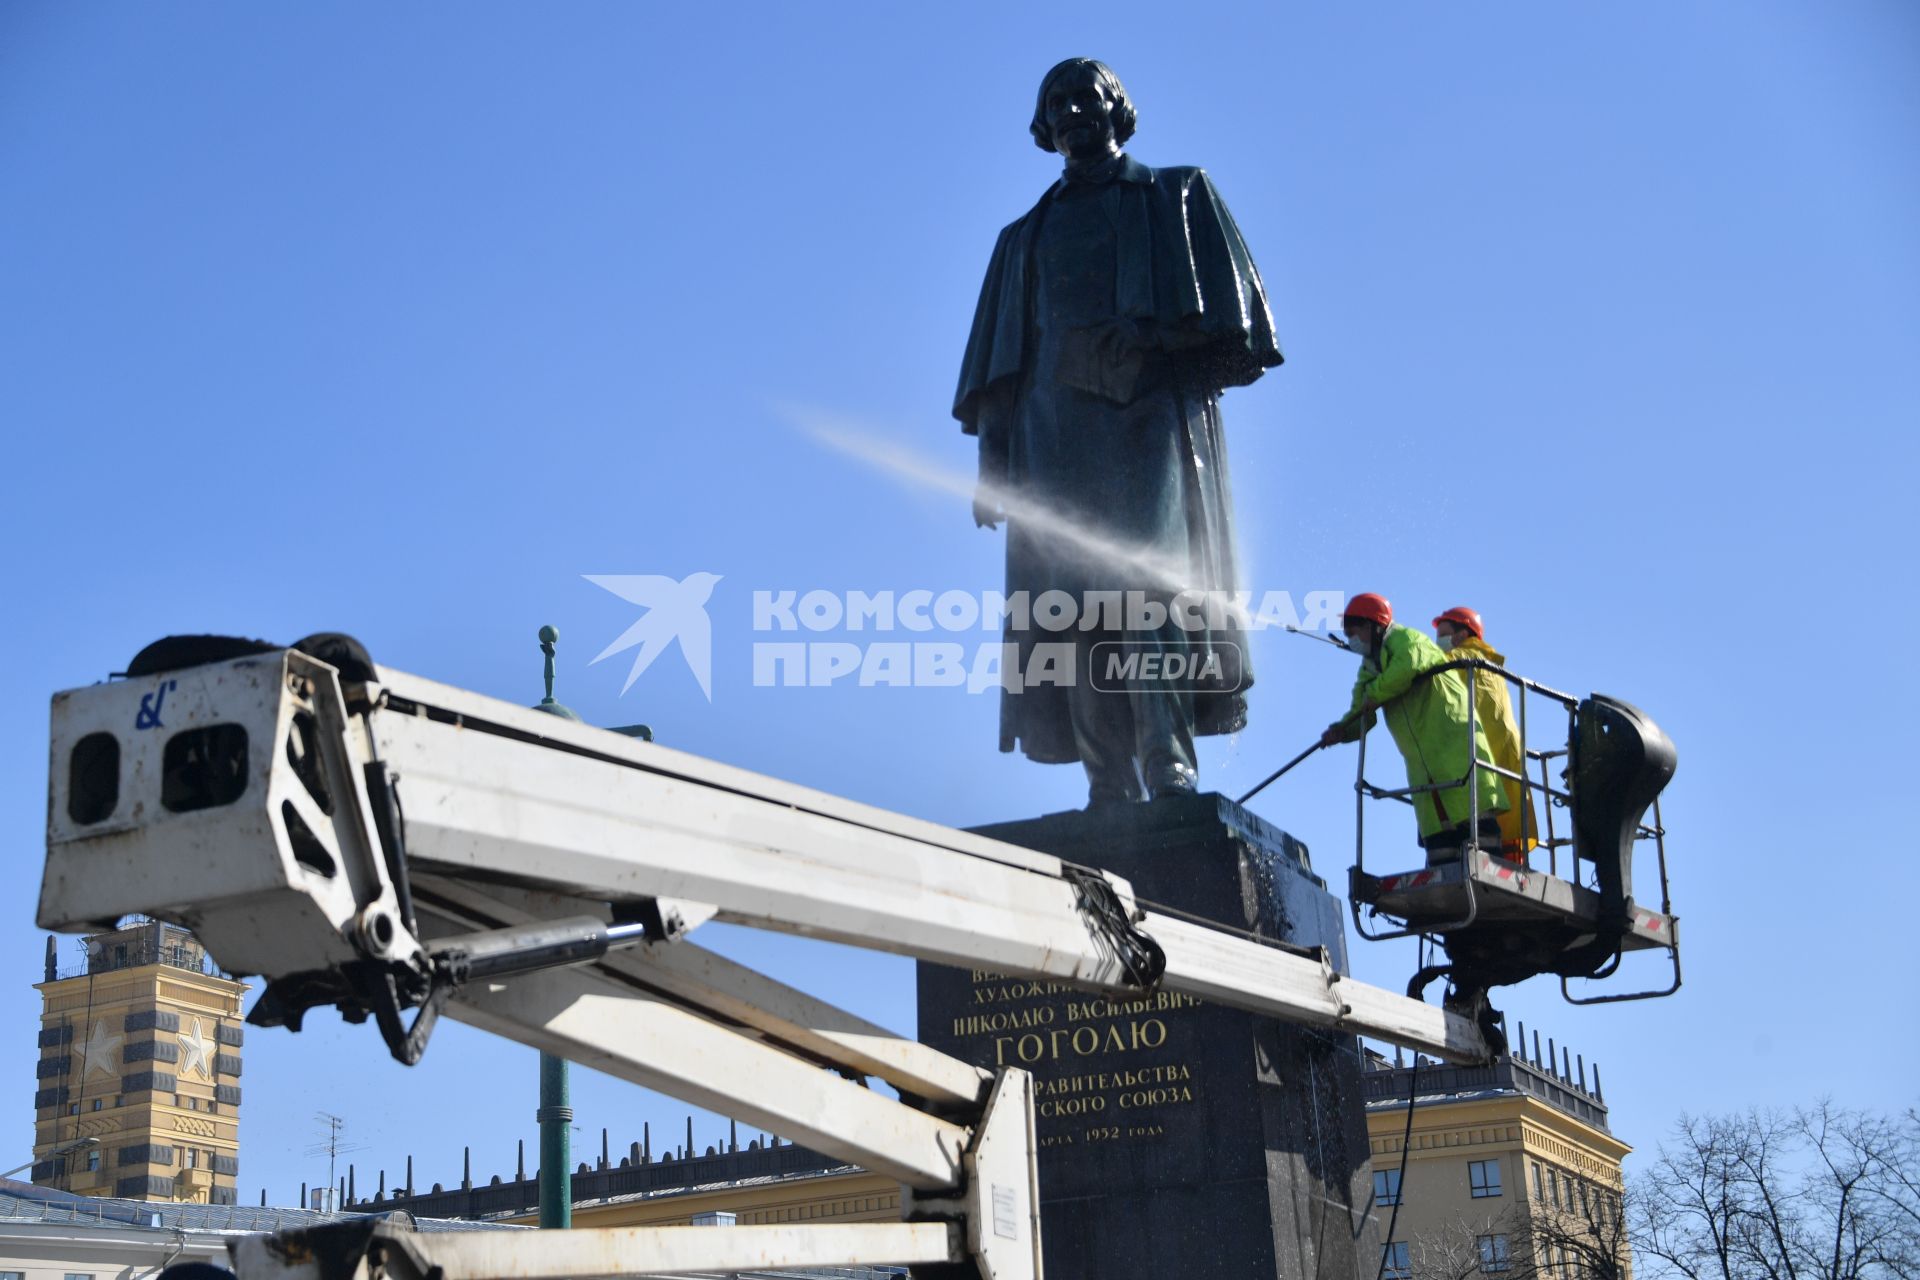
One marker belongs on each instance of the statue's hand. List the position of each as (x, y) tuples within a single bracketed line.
[(986, 513)]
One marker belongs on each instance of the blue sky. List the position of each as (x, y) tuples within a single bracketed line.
[(398, 321)]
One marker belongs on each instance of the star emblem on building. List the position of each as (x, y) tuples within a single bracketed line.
[(102, 1044), (196, 1052)]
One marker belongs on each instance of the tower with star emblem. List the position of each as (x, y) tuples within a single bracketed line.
[(137, 1091)]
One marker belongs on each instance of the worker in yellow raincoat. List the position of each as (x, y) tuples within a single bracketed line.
[(1461, 634), (1428, 721)]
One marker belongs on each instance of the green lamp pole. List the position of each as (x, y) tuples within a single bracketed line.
[(556, 1111), (556, 1144)]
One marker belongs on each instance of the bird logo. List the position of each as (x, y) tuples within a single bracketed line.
[(674, 611)]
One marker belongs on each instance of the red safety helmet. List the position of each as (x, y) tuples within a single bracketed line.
[(1461, 616), (1374, 608)]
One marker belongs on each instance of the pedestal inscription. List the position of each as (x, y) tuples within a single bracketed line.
[(1104, 1070), (1180, 1138)]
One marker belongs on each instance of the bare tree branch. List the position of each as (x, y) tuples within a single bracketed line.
[(1826, 1193)]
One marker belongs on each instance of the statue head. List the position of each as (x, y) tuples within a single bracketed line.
[(1082, 111)]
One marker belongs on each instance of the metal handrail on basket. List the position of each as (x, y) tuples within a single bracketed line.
[(1658, 834), (1553, 797), (1363, 788)]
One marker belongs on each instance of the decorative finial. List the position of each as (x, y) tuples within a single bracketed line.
[(549, 636)]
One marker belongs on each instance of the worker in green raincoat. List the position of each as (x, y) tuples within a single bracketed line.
[(1428, 720)]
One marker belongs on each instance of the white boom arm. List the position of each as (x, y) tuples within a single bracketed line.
[(393, 844)]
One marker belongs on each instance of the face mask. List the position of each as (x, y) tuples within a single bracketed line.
[(1358, 647), (1446, 642)]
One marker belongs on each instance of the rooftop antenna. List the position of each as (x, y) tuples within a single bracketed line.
[(332, 1145)]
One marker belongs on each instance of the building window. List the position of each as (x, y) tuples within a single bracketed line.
[(79, 1275), (13, 1275), (98, 1103), (74, 1109), (213, 1107), (1539, 1182), (93, 1161), (1553, 1188), (1397, 1261), (189, 1154), (1386, 1186), (1493, 1253), (119, 1100), (1484, 1177)]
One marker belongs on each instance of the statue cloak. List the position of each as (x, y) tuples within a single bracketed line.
[(1145, 468)]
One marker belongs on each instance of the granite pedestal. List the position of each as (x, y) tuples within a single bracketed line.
[(1180, 1139)]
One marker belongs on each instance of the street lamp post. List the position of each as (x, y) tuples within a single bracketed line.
[(556, 1111), (54, 1154)]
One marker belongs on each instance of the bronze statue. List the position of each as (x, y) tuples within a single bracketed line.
[(1113, 315)]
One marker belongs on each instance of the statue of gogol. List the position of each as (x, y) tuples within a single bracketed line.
[(1113, 315)]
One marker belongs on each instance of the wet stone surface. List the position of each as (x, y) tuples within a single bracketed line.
[(1180, 1138)]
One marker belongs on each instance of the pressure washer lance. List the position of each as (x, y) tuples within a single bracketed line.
[(1315, 635), (1275, 775)]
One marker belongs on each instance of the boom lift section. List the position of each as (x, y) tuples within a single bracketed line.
[(397, 848)]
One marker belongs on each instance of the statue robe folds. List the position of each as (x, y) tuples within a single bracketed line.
[(1113, 315)]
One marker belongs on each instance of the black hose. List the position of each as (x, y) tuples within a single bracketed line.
[(1406, 1145)]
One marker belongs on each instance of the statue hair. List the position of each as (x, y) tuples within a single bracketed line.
[(1125, 118)]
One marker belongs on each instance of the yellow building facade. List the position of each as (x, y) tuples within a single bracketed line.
[(137, 1092), (760, 1183), (1509, 1169), (838, 1195)]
